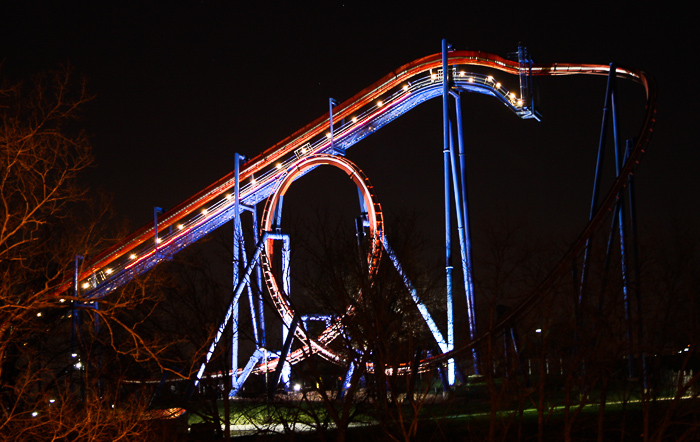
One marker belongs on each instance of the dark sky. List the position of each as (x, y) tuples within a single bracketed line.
[(181, 86)]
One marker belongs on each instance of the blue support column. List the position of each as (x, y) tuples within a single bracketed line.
[(622, 225), (331, 104), (258, 279), (594, 197), (463, 224), (156, 239), (448, 208), (237, 238), (283, 364), (236, 295), (251, 301), (286, 332)]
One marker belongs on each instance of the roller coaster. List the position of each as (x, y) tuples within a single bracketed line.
[(323, 142)]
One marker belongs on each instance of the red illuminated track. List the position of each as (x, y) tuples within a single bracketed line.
[(368, 110)]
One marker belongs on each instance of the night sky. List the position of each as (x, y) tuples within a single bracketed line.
[(181, 86)]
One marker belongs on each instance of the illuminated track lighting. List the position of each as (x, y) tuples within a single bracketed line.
[(328, 135), (380, 103), (205, 211), (252, 180), (462, 73), (108, 271), (228, 196), (354, 119), (86, 285), (520, 103), (132, 256), (470, 79), (498, 85), (159, 240), (489, 79), (405, 87), (279, 166)]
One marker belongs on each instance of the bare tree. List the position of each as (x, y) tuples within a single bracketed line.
[(60, 379)]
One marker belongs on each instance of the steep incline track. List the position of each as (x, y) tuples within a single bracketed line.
[(361, 115)]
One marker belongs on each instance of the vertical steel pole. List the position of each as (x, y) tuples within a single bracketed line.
[(251, 302), (258, 278), (236, 264), (331, 103), (467, 238), (156, 239), (622, 222), (594, 198), (448, 208), (287, 369)]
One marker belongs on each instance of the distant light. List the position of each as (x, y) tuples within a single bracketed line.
[(228, 196), (354, 119), (278, 166), (132, 256), (405, 87), (297, 387), (489, 79), (51, 401), (498, 85), (328, 134), (74, 355), (78, 365), (470, 79), (539, 330), (159, 240), (204, 211), (35, 413), (86, 285), (38, 315), (108, 271), (433, 77), (520, 103), (380, 103), (512, 95), (252, 180), (180, 227), (61, 300), (461, 73), (303, 150)]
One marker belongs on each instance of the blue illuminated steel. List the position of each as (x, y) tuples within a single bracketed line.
[(465, 240), (444, 345), (404, 89), (448, 209), (236, 295), (596, 191), (418, 89), (280, 372)]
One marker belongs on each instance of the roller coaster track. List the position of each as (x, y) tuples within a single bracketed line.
[(367, 111)]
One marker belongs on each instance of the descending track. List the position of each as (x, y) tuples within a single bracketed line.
[(369, 110)]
